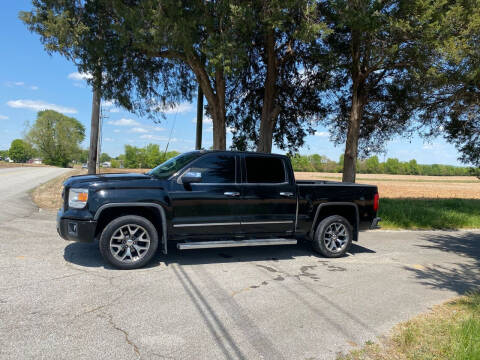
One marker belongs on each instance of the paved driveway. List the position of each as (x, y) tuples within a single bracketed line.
[(58, 300)]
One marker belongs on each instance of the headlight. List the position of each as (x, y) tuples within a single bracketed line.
[(77, 198)]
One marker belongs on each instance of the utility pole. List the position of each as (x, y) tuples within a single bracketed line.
[(198, 143), (93, 157)]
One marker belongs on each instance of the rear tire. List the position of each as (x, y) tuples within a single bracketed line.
[(333, 236), (128, 242)]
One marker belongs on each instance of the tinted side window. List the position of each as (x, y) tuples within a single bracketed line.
[(264, 169), (215, 168)]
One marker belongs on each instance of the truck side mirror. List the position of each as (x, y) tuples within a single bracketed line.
[(191, 177)]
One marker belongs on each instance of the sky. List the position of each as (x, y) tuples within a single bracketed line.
[(32, 80)]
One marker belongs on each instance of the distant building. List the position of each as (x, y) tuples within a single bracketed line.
[(106, 164), (37, 161)]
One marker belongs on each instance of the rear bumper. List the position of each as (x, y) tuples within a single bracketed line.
[(76, 230)]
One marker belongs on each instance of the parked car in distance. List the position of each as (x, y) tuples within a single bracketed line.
[(213, 199), (85, 166)]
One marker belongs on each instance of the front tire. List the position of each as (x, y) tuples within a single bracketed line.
[(333, 236), (129, 242)]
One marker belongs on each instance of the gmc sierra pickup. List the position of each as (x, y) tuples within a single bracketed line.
[(207, 199)]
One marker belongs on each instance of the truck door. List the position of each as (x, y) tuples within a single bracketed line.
[(268, 196), (208, 206)]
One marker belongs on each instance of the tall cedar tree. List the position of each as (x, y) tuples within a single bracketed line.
[(149, 49), (276, 97), (376, 56), (454, 107)]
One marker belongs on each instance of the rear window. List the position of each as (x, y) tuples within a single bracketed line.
[(265, 170)]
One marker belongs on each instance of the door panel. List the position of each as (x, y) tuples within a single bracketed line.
[(208, 208), (268, 196)]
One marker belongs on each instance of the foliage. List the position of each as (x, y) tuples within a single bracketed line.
[(56, 137), (104, 157), (149, 52), (454, 107), (3, 154), (277, 95), (147, 157), (20, 151), (372, 165), (376, 56)]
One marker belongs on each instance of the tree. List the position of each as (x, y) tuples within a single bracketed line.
[(20, 151), (372, 165), (276, 96), (56, 137), (149, 49), (454, 108), (3, 154), (104, 157), (376, 55)]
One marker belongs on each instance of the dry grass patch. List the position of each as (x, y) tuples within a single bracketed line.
[(449, 332), (48, 196)]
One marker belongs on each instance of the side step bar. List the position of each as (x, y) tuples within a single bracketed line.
[(234, 243)]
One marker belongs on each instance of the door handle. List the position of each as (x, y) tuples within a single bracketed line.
[(286, 194), (231, 193)]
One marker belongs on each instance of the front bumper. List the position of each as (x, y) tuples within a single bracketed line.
[(75, 230)]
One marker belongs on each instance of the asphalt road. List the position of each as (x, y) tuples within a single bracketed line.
[(15, 183), (58, 300)]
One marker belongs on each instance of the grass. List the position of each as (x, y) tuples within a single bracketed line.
[(450, 332), (415, 214)]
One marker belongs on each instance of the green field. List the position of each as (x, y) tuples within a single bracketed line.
[(409, 213)]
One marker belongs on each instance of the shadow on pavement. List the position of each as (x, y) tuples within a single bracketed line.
[(88, 254), (459, 277)]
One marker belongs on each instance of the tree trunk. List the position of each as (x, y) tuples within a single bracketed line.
[(198, 143), (270, 110), (353, 132), (215, 100), (92, 152), (356, 111), (218, 114)]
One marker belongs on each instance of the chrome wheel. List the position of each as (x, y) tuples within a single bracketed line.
[(335, 237), (129, 243)]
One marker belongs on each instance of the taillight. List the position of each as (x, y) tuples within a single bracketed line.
[(376, 200)]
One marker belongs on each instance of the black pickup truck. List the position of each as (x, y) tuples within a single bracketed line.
[(207, 199)]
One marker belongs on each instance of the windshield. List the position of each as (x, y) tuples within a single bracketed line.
[(171, 166)]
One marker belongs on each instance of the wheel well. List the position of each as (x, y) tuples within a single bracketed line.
[(112, 213), (349, 212)]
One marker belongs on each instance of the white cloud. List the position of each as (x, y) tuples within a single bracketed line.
[(22, 84), (3, 117), (138, 130), (38, 105), (114, 110), (108, 139), (158, 128), (116, 131), (77, 76), (321, 133), (123, 122)]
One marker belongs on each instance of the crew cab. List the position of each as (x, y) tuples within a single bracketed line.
[(209, 199)]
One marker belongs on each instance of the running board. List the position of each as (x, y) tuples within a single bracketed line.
[(234, 243)]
